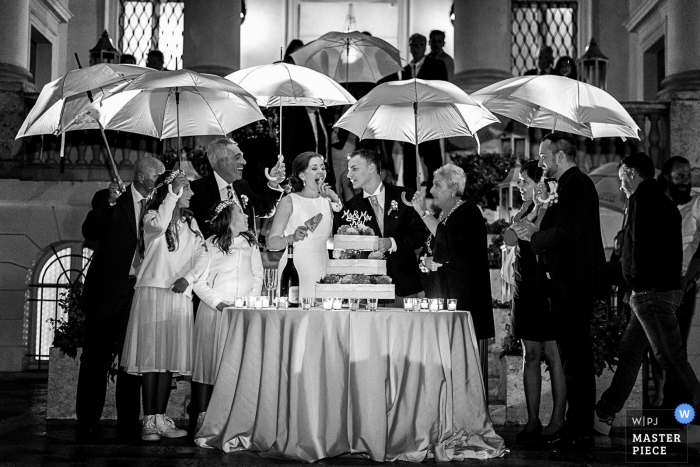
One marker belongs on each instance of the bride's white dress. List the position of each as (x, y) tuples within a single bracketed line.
[(310, 254)]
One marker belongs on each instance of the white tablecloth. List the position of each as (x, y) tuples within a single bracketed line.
[(387, 385)]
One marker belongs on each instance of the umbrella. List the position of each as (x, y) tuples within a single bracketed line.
[(170, 104), (282, 84), (350, 57), (61, 104), (560, 104), (415, 111)]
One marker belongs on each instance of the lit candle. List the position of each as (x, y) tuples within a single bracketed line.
[(433, 304), (452, 304), (327, 303), (424, 304), (257, 302), (337, 303), (238, 302), (265, 301)]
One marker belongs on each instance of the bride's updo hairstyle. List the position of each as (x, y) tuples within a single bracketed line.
[(300, 164)]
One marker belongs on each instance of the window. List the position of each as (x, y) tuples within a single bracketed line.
[(152, 24), (537, 23), (58, 266)]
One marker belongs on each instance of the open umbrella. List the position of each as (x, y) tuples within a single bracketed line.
[(350, 57), (170, 104), (559, 104), (415, 111), (61, 104), (281, 84)]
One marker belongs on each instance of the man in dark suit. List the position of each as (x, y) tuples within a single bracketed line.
[(112, 225), (306, 129), (422, 67), (227, 162), (570, 264), (399, 226)]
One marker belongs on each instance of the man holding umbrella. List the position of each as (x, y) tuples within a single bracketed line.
[(113, 224)]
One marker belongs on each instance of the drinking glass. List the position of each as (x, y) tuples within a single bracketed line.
[(452, 304), (282, 303), (433, 304), (372, 304), (327, 303), (306, 303), (408, 304), (270, 282), (354, 304)]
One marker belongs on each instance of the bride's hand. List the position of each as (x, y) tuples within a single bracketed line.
[(327, 192), (300, 233)]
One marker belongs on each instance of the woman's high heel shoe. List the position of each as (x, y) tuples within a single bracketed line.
[(529, 436)]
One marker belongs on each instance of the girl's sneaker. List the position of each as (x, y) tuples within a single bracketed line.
[(149, 432), (167, 429)]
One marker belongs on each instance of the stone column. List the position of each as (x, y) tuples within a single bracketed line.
[(212, 37), (482, 43), (14, 80), (682, 84)]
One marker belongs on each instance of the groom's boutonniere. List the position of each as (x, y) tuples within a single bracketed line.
[(244, 201), (394, 206)]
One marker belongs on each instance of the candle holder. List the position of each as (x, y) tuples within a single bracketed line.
[(265, 299), (372, 304), (238, 302), (408, 304), (328, 303), (433, 305), (257, 303), (424, 304), (306, 303), (282, 303), (337, 304), (354, 304), (451, 304)]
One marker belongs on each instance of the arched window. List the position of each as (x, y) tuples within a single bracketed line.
[(56, 268)]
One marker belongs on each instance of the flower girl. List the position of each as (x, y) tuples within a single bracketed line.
[(235, 269), (159, 334)]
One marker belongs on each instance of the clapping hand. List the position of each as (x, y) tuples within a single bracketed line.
[(180, 285), (115, 191), (327, 192), (524, 230)]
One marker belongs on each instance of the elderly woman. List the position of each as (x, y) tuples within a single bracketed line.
[(457, 259)]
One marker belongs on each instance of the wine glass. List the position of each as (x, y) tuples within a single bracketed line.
[(270, 283)]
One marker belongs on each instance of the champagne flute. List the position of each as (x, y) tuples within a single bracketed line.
[(270, 283)]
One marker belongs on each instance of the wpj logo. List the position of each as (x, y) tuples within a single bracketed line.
[(651, 436)]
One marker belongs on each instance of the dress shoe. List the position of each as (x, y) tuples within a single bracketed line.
[(573, 444), (530, 436), (552, 437), (602, 423)]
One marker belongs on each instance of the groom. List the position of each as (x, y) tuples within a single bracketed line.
[(399, 227)]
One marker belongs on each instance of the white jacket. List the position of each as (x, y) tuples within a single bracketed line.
[(236, 274), (162, 268)]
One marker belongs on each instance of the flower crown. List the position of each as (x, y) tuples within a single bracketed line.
[(220, 207), (168, 180)]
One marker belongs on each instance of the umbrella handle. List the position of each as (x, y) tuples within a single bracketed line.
[(405, 201)]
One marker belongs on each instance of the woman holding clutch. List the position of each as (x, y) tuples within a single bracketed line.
[(293, 224), (531, 321)]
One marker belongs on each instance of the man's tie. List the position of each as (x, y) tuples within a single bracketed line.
[(320, 135), (136, 262), (378, 212)]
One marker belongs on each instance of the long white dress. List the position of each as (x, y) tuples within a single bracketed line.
[(310, 254), (236, 274)]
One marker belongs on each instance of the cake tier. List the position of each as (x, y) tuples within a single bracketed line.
[(383, 291), (356, 266), (356, 242)]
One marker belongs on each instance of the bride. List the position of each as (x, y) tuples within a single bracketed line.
[(310, 196)]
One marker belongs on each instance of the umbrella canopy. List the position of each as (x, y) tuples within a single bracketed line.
[(350, 57), (443, 111), (64, 99), (607, 184), (559, 104), (168, 104), (290, 85)]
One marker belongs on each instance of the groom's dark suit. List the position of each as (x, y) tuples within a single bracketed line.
[(106, 302), (570, 265), (408, 231), (206, 195)]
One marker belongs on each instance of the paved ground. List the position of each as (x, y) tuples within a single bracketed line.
[(26, 438)]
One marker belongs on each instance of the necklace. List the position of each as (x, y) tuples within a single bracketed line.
[(441, 220)]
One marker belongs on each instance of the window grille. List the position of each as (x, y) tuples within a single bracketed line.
[(537, 23), (59, 269), (153, 24)]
